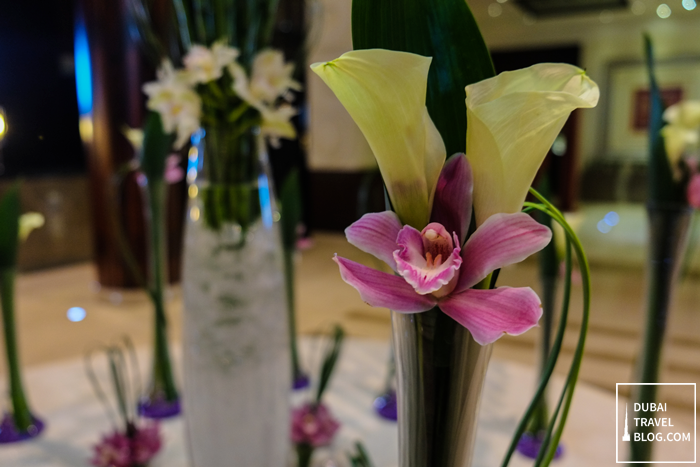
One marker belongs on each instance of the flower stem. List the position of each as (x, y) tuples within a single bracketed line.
[(291, 315), (20, 408), (162, 369), (304, 454)]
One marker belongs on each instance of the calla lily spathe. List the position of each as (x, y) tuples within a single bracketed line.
[(384, 93), (681, 131), (434, 270), (512, 121)]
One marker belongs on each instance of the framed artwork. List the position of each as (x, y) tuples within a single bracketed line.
[(626, 119)]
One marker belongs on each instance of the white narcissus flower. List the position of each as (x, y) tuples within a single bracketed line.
[(682, 130), (271, 77), (512, 121), (204, 65), (223, 54), (201, 64), (271, 80), (276, 124), (177, 103)]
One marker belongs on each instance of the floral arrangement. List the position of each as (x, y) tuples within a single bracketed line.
[(213, 88), (424, 239), (439, 262), (215, 92), (131, 443), (313, 425)]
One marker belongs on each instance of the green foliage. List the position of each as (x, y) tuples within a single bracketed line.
[(663, 189), (245, 24), (360, 458), (156, 147), (9, 227), (445, 30), (330, 358)]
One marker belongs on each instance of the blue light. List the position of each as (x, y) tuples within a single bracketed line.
[(612, 218), (83, 67), (604, 227), (76, 314), (265, 204)]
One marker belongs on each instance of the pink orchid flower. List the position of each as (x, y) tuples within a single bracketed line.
[(434, 267), (173, 171)]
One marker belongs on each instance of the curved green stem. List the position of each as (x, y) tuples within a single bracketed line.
[(20, 408), (554, 431)]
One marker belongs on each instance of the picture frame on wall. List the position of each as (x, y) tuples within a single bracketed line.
[(626, 119)]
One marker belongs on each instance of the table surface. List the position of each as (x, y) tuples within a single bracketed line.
[(62, 396)]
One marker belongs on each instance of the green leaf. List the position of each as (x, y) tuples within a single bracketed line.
[(290, 196), (330, 358), (663, 189), (156, 147), (445, 30), (9, 227)]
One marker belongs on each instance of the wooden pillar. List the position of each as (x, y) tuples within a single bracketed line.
[(116, 71)]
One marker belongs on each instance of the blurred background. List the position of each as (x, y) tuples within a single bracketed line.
[(74, 288)]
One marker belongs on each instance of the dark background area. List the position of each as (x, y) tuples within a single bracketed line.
[(37, 90)]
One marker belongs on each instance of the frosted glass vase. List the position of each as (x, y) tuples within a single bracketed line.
[(236, 349)]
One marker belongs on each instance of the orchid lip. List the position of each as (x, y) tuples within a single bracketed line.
[(429, 260)]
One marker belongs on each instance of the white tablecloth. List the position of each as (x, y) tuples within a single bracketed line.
[(61, 395)]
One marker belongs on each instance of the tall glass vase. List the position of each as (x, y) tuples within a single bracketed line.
[(440, 375), (668, 237), (236, 342)]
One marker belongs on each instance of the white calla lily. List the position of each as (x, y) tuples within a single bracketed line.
[(512, 121), (28, 222), (681, 132), (384, 92)]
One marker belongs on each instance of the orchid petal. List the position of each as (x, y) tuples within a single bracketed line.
[(488, 314), (384, 92), (502, 240), (375, 233), (512, 121), (453, 196), (383, 290)]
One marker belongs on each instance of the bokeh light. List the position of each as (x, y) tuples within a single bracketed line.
[(76, 314)]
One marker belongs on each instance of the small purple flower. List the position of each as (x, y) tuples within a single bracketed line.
[(120, 450), (112, 451), (146, 443), (313, 425)]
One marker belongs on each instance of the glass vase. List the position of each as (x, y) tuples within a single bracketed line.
[(440, 375), (668, 238), (236, 342)]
